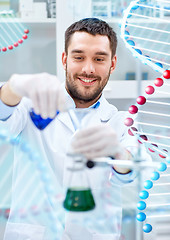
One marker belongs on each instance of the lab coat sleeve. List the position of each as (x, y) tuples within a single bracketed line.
[(5, 111), (121, 179), (15, 118)]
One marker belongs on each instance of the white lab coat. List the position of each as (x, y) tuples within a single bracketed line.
[(52, 143)]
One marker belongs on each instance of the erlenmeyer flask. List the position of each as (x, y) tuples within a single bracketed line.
[(79, 196)]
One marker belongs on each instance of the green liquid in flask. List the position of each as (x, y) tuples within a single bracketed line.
[(79, 200)]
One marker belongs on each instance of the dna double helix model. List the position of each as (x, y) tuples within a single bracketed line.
[(45, 202), (12, 33), (145, 31)]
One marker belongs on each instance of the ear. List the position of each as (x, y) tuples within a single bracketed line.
[(113, 64), (64, 60)]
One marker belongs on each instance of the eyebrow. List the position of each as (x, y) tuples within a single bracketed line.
[(76, 51), (97, 53), (102, 53)]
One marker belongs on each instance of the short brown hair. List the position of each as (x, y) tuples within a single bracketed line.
[(92, 26)]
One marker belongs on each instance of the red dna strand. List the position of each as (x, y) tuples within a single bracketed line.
[(12, 31)]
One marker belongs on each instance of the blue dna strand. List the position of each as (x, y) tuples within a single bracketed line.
[(144, 195)]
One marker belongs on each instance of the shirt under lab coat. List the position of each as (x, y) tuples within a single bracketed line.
[(104, 222)]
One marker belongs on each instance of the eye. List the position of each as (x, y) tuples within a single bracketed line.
[(99, 59), (78, 58)]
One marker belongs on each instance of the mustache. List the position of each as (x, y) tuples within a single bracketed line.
[(87, 76)]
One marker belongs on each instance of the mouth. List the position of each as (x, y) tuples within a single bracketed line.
[(87, 81)]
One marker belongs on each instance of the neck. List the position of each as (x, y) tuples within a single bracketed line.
[(84, 104)]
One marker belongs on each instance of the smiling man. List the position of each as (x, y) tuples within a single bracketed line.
[(88, 60)]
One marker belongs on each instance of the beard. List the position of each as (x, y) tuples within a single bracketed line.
[(85, 94)]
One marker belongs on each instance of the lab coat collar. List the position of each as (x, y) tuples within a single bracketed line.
[(105, 111)]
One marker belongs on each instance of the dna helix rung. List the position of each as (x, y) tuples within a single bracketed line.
[(154, 122), (145, 31), (154, 199)]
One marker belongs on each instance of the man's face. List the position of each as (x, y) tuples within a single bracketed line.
[(88, 65)]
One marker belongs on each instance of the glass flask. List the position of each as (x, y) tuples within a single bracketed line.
[(79, 196), (40, 122)]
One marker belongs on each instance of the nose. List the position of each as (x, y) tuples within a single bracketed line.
[(88, 67)]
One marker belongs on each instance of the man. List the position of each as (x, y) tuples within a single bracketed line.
[(88, 60)]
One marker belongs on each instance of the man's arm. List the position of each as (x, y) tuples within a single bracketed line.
[(44, 90)]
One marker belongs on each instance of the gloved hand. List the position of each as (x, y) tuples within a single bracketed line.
[(43, 89), (98, 141)]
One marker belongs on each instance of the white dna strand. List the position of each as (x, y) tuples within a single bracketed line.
[(35, 196), (12, 31), (146, 32)]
